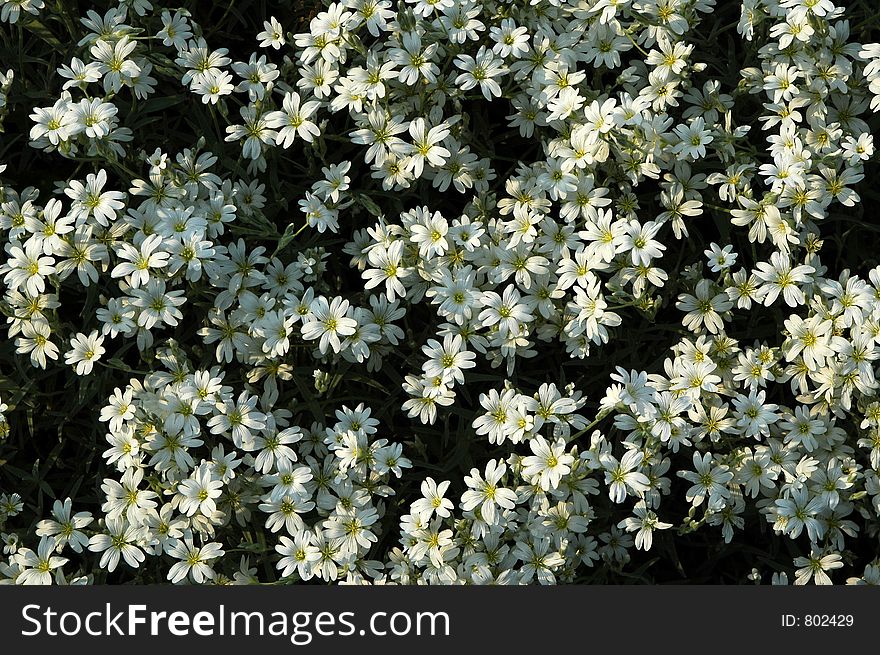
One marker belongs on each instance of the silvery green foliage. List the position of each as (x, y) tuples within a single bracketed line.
[(551, 251)]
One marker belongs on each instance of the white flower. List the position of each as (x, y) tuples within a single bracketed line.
[(114, 64), (256, 131), (720, 259), (429, 233), (425, 148), (705, 308), (815, 566), (779, 276), (485, 494), (499, 420), (447, 359), (85, 351), (35, 340), (90, 199), (548, 464), (194, 560), (432, 501), (120, 540), (510, 39), (299, 554), (199, 492), (66, 529), (643, 524), (272, 34), (328, 322), (480, 70), (238, 419), (622, 477), (175, 29), (293, 119), (415, 59), (156, 304), (39, 566), (27, 267), (56, 123)]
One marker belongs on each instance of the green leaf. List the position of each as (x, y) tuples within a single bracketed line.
[(365, 202)]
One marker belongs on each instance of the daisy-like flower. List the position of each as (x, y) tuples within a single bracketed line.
[(505, 310), (639, 241), (705, 308), (429, 233), (257, 76), (798, 511), (298, 554), (35, 340), (293, 120), (815, 567), (498, 422), (447, 359), (432, 500), (643, 522), (27, 267), (548, 463), (114, 63), (349, 529), (811, 339), (56, 123), (328, 322), (289, 480), (426, 148), (693, 139), (140, 259), (125, 499), (78, 73), (66, 529), (272, 34), (511, 40), (50, 228), (195, 560), (335, 181), (274, 449), (199, 492), (256, 131), (285, 513), (623, 477), (213, 85), (175, 30), (801, 9), (480, 70), (485, 493), (125, 449), (118, 317), (779, 276), (709, 481), (90, 199), (239, 420), (386, 266), (157, 305), (379, 131), (38, 566), (120, 541), (414, 59), (85, 351), (803, 429), (720, 259), (93, 117)]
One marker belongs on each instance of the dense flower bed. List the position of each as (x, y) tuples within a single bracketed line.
[(438, 292)]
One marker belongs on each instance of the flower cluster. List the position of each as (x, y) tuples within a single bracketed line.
[(429, 260)]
